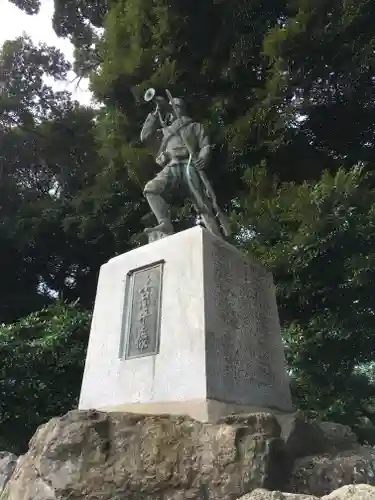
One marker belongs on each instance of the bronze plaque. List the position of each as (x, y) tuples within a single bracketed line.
[(142, 312)]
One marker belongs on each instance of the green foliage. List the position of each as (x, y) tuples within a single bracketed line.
[(29, 6), (217, 66), (41, 366), (319, 241), (78, 20), (26, 99), (45, 138), (321, 68), (63, 214)]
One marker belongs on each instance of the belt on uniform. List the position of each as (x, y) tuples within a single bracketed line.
[(178, 159)]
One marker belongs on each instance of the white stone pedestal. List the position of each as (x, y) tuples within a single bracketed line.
[(185, 325)]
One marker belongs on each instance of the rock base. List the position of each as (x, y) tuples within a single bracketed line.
[(116, 456), (203, 410)]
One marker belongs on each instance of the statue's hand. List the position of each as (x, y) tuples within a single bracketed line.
[(162, 159), (199, 163)]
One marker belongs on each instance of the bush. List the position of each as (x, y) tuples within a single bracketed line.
[(41, 365)]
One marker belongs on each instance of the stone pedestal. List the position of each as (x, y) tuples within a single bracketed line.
[(185, 325)]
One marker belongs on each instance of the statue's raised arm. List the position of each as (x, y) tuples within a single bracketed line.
[(150, 127)]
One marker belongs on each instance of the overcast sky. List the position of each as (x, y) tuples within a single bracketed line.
[(14, 23)]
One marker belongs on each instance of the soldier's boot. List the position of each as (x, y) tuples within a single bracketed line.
[(162, 213)]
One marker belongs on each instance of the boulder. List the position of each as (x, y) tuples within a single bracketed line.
[(321, 474), (304, 437), (337, 437), (262, 494), (109, 456), (8, 463), (352, 492)]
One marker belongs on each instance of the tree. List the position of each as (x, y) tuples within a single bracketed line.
[(321, 72), (57, 206), (318, 239), (77, 19), (29, 6), (33, 166), (19, 274), (24, 178), (249, 76), (81, 22), (41, 366), (217, 66), (277, 76)]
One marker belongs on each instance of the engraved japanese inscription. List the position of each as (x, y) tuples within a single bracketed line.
[(142, 313), (244, 308)]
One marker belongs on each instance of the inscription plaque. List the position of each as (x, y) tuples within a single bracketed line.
[(142, 312)]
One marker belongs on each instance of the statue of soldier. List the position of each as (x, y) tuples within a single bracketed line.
[(183, 154)]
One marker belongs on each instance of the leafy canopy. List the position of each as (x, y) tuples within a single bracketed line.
[(319, 239)]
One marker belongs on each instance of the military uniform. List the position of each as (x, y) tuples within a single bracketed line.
[(178, 173)]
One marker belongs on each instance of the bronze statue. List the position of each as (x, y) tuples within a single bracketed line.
[(183, 155)]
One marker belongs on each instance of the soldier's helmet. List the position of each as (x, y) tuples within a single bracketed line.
[(179, 104), (177, 101)]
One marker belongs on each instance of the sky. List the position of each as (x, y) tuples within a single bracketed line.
[(14, 23)]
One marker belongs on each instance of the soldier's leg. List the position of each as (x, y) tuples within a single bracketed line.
[(201, 201), (154, 193)]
